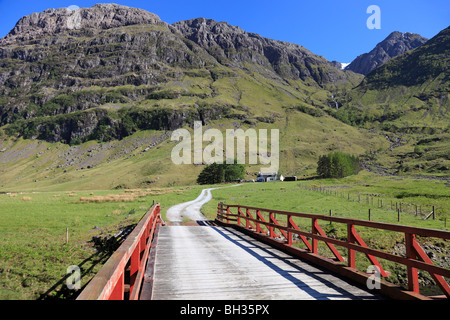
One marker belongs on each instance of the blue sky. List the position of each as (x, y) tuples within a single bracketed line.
[(335, 29)]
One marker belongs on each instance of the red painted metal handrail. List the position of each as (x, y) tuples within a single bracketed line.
[(122, 275), (415, 258)]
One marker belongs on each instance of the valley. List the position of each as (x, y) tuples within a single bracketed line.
[(88, 107)]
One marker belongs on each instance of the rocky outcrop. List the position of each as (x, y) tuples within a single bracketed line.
[(73, 75), (395, 44), (233, 46), (99, 16)]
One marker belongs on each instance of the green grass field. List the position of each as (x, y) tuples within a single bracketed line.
[(35, 251)]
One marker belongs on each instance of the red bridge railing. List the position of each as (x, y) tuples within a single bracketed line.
[(122, 276), (265, 224)]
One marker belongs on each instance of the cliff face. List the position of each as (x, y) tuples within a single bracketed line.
[(86, 73), (233, 46), (395, 44), (100, 16)]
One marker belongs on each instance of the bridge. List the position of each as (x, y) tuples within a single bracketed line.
[(250, 253)]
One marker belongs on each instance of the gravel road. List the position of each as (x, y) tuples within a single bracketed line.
[(191, 209)]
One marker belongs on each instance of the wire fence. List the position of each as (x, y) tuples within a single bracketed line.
[(372, 200)]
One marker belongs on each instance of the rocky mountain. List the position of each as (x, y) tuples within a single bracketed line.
[(100, 16), (429, 61), (101, 88), (106, 71), (233, 46), (395, 44), (408, 98)]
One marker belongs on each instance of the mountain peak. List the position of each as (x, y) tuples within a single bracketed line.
[(393, 45), (99, 16)]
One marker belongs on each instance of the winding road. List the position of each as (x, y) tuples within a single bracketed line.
[(191, 209)]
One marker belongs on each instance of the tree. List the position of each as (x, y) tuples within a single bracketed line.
[(233, 172), (337, 165), (217, 173), (212, 173)]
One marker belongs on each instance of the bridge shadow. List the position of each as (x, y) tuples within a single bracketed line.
[(286, 259), (60, 290), (105, 247)]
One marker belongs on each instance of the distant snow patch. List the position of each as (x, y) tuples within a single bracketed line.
[(344, 65)]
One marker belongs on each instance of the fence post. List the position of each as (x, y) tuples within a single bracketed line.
[(271, 218), (314, 231), (351, 252), (239, 216), (413, 278), (289, 233), (220, 210), (258, 227)]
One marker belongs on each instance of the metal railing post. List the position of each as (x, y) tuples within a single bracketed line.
[(351, 252), (413, 277), (314, 231), (290, 226)]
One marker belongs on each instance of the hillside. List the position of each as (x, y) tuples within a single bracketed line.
[(79, 84), (394, 45), (90, 102), (409, 99)]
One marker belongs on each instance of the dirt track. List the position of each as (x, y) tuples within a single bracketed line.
[(191, 209)]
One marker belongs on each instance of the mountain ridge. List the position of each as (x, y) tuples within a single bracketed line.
[(127, 63), (99, 16), (90, 87), (396, 43)]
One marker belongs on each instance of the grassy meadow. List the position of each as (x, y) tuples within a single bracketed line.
[(43, 233)]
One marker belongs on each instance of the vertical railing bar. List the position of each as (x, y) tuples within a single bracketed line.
[(314, 231), (351, 252), (258, 218), (413, 277), (289, 233)]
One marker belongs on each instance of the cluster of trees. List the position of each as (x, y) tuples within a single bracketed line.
[(221, 172), (338, 165)]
